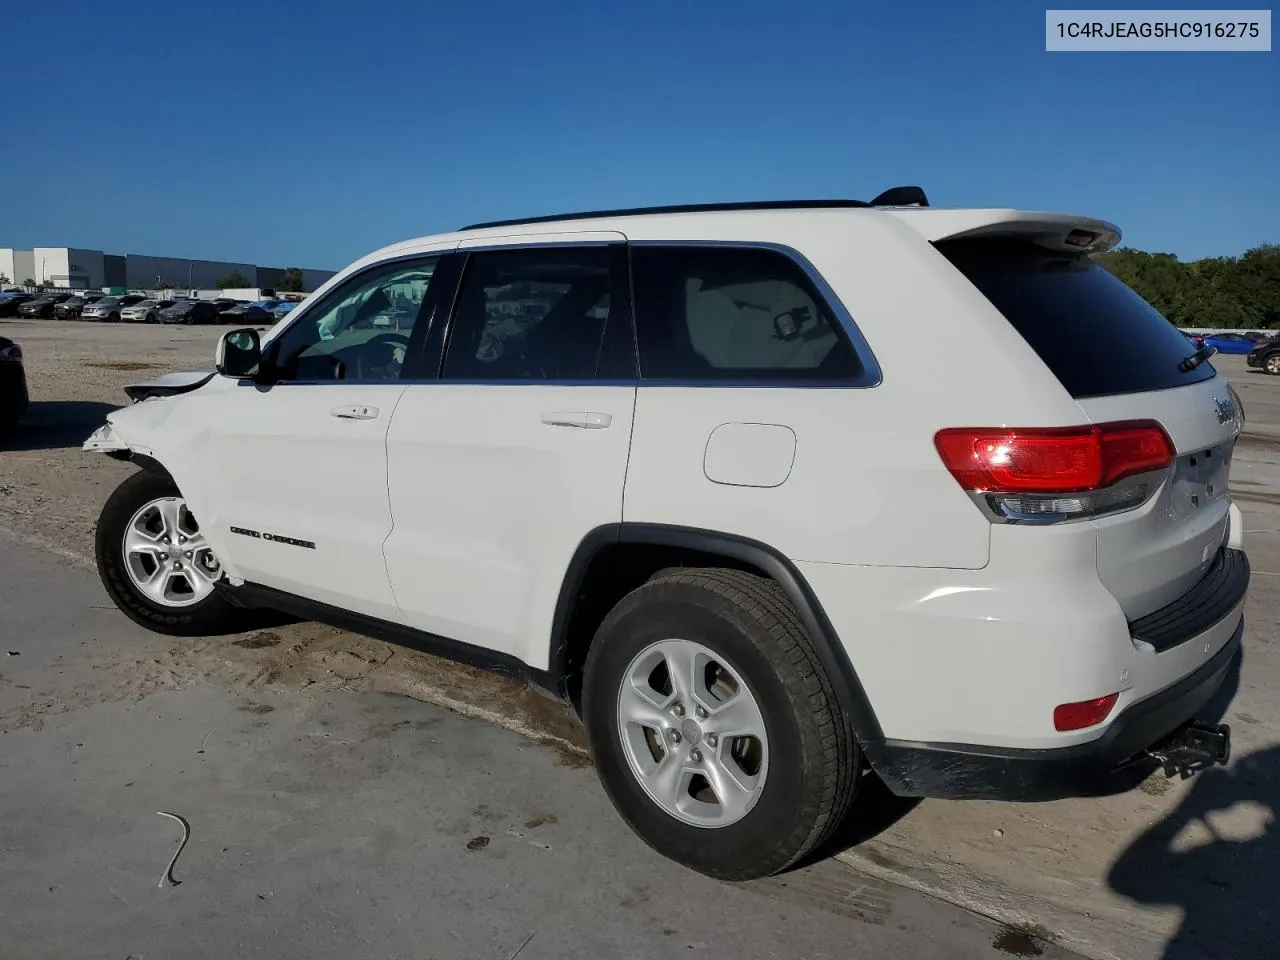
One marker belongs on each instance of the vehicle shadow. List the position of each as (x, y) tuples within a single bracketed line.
[(1214, 858), (875, 808), (56, 424)]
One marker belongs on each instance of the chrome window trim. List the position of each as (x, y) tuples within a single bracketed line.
[(871, 375)]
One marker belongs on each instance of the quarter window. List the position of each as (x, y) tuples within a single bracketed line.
[(733, 313), (361, 330), (531, 314)]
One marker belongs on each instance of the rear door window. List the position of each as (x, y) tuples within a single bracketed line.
[(710, 313), (1096, 335)]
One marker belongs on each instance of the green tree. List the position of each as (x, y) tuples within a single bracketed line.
[(233, 281), (28, 282), (1222, 292), (291, 282)]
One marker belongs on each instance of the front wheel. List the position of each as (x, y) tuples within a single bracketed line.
[(1272, 364), (156, 564), (715, 730)]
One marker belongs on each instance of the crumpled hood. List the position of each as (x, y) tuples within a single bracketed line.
[(168, 384)]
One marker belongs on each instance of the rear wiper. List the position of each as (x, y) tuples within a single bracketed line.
[(1187, 364)]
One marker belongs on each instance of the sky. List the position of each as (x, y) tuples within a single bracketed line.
[(310, 132)]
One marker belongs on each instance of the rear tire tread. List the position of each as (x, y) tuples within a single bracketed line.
[(776, 630)]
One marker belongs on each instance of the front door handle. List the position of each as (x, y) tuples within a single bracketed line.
[(583, 419), (355, 412)]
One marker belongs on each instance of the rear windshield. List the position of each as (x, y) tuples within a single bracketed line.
[(1097, 336)]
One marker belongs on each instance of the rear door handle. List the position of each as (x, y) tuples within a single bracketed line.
[(355, 412), (583, 419)]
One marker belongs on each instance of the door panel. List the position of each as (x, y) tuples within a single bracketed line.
[(301, 491), (300, 461), (498, 470), (490, 504)]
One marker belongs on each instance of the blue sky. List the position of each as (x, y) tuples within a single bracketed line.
[(308, 133)]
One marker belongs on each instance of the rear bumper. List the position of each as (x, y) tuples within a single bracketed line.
[(1113, 762)]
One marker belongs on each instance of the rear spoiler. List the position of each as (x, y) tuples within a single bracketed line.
[(1055, 231)]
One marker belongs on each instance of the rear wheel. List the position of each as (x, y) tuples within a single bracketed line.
[(156, 564), (715, 730)]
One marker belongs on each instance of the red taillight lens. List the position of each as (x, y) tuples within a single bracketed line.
[(11, 353), (1052, 460), (1087, 713)]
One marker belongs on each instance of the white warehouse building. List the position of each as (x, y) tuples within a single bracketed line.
[(16, 266), (78, 269)]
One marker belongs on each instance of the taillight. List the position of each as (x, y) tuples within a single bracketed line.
[(12, 353), (1047, 474), (1087, 713)]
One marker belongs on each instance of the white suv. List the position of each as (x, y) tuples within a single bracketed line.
[(772, 492)]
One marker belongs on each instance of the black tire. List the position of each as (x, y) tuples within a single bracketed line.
[(814, 757), (114, 318), (211, 616), (1271, 360)]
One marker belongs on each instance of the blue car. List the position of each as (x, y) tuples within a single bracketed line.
[(283, 307), (1232, 342)]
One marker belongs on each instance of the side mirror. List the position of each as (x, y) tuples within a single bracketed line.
[(238, 354)]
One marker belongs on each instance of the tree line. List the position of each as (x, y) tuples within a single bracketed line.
[(1227, 293), (290, 282)]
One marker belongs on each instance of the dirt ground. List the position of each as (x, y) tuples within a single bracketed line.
[(1062, 870)]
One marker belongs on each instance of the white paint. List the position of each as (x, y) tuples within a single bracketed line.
[(458, 507), (749, 454)]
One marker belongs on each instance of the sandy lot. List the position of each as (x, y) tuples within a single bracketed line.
[(1063, 869)]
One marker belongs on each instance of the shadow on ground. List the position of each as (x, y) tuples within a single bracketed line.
[(1215, 859), (1215, 856), (875, 809), (57, 424)]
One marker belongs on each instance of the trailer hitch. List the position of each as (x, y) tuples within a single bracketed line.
[(1193, 747)]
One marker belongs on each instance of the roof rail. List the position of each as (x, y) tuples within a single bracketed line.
[(893, 197), (678, 208)]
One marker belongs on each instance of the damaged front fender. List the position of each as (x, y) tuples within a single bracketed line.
[(105, 440)]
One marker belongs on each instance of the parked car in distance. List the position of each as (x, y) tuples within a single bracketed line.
[(145, 311), (283, 307), (249, 314), (1025, 581), (13, 385), (1195, 340), (1230, 342), (10, 302), (42, 306), (190, 312), (72, 307), (108, 309), (1265, 355)]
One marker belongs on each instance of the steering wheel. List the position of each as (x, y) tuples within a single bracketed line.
[(381, 357)]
